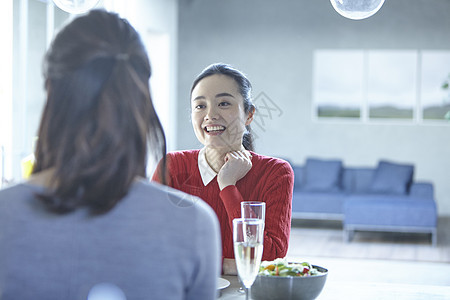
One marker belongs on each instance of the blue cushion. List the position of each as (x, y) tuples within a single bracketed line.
[(392, 178), (318, 202), (361, 179), (322, 175), (389, 211), (298, 178)]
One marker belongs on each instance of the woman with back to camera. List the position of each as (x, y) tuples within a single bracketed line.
[(87, 216), (226, 171)]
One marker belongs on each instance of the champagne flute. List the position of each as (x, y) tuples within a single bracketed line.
[(252, 210), (248, 237)]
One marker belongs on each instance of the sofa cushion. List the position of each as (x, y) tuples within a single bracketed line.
[(322, 175), (298, 178), (318, 202), (357, 180), (389, 210), (392, 178)]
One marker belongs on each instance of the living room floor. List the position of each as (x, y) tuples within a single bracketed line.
[(399, 258), (325, 238)]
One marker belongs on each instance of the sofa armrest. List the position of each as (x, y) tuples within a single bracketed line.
[(422, 190)]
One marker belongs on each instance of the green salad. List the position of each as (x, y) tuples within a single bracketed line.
[(280, 267)]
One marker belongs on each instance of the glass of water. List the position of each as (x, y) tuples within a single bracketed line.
[(253, 210)]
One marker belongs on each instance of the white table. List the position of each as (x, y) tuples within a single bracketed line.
[(358, 290)]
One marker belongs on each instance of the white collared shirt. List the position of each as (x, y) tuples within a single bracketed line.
[(206, 172)]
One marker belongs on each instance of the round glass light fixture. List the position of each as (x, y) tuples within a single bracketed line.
[(357, 9), (76, 6)]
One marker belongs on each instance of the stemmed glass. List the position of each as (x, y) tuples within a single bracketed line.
[(252, 210), (248, 237)]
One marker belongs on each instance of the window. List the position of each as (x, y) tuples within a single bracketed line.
[(158, 48), (391, 87), (376, 85), (435, 99), (6, 52), (26, 28), (338, 83)]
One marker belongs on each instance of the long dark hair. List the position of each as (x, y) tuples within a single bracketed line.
[(99, 121), (245, 89)]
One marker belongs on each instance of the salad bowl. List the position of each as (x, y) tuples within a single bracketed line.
[(286, 287)]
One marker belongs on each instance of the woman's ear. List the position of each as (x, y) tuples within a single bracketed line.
[(251, 113)]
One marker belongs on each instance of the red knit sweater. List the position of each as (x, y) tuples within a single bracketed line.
[(270, 180)]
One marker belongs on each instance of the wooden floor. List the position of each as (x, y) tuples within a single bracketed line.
[(325, 239)]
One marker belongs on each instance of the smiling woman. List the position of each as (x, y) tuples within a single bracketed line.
[(227, 171)]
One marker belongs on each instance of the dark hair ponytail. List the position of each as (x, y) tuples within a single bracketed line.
[(247, 139), (99, 120), (245, 89)]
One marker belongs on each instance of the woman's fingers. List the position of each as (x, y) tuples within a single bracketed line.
[(247, 154), (237, 164), (243, 155)]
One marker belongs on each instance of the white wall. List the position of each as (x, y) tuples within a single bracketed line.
[(273, 42)]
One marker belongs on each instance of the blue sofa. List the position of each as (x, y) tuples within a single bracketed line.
[(383, 198)]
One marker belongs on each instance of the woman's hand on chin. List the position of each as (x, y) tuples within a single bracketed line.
[(237, 164)]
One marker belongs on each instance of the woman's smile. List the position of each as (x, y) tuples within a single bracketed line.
[(214, 129)]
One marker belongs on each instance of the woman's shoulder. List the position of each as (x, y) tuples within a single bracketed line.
[(20, 198), (186, 158), (269, 160), (183, 154), (273, 165), (177, 201), (19, 190), (274, 169)]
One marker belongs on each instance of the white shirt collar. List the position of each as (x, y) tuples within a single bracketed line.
[(206, 172)]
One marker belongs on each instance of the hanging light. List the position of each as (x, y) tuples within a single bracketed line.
[(357, 9), (76, 6)]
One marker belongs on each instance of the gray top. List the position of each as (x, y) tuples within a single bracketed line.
[(156, 243)]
